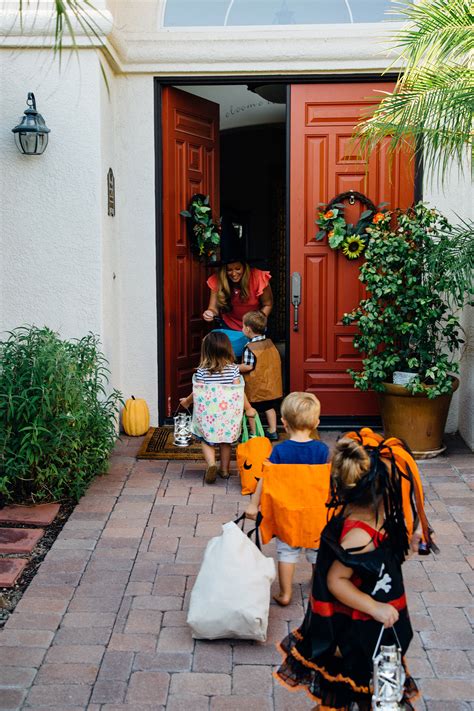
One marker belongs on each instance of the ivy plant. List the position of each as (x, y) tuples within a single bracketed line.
[(205, 232), (418, 276), (57, 417)]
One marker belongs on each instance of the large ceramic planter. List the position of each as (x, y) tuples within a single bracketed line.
[(416, 419)]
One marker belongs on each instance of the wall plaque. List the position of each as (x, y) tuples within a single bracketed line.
[(111, 193)]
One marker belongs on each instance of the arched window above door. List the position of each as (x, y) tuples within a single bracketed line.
[(218, 13)]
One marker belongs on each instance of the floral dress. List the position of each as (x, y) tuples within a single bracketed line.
[(218, 406)]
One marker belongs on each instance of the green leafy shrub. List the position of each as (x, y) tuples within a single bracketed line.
[(418, 275), (57, 423)]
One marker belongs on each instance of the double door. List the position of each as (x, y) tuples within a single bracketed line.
[(324, 162)]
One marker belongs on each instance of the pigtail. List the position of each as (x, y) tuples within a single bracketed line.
[(386, 479), (391, 489), (360, 476)]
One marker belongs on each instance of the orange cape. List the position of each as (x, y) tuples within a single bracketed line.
[(293, 503)]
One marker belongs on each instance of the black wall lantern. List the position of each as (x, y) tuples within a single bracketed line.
[(31, 134)]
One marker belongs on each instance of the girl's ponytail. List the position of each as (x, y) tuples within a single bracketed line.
[(368, 476), (350, 462)]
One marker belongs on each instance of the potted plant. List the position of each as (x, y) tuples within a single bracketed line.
[(203, 232), (418, 276)]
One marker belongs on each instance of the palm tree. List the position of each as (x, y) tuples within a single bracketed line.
[(433, 100)]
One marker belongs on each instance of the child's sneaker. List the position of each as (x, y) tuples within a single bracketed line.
[(211, 473), (272, 436)]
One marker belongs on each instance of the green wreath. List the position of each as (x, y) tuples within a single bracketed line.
[(203, 232), (350, 239)]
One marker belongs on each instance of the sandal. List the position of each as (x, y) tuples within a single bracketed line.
[(223, 475)]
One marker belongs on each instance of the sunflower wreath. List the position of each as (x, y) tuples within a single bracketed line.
[(350, 239)]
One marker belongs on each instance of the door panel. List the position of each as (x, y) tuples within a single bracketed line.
[(323, 163), (190, 165)]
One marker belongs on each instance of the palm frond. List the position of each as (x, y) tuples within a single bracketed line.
[(435, 109), (67, 16), (458, 246), (437, 30), (433, 100)]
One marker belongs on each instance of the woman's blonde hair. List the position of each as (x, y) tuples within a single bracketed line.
[(216, 352), (301, 411), (224, 289), (350, 462)]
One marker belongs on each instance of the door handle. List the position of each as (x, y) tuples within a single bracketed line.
[(295, 297)]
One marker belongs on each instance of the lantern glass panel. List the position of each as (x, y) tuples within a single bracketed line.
[(31, 143)]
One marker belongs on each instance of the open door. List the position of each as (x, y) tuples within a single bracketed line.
[(190, 165), (323, 164)]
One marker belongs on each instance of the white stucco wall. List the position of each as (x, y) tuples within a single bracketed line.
[(65, 263), (110, 266), (51, 213), (454, 199), (135, 235)]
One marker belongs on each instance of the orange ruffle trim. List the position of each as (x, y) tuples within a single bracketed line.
[(339, 678), (311, 665)]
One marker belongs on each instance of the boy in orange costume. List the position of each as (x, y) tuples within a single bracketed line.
[(300, 416)]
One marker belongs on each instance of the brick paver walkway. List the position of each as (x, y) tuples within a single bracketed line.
[(102, 625)]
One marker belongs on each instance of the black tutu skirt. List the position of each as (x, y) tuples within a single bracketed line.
[(330, 655)]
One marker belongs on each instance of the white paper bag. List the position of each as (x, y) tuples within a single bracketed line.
[(231, 595)]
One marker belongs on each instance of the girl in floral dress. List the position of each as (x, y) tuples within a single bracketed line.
[(219, 401)]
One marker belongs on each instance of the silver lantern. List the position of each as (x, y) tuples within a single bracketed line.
[(389, 677), (182, 430)]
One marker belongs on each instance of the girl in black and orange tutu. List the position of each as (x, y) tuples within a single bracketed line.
[(357, 585)]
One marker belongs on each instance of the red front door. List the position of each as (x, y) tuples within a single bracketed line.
[(323, 164), (190, 165)]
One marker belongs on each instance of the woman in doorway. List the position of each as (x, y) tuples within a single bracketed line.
[(236, 289)]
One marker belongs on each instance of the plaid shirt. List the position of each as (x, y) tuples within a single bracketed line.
[(249, 358)]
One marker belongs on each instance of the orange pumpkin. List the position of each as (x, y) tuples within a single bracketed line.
[(135, 417)]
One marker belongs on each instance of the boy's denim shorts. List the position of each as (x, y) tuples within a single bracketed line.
[(289, 554)]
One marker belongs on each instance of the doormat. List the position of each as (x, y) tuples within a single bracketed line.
[(158, 444)]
